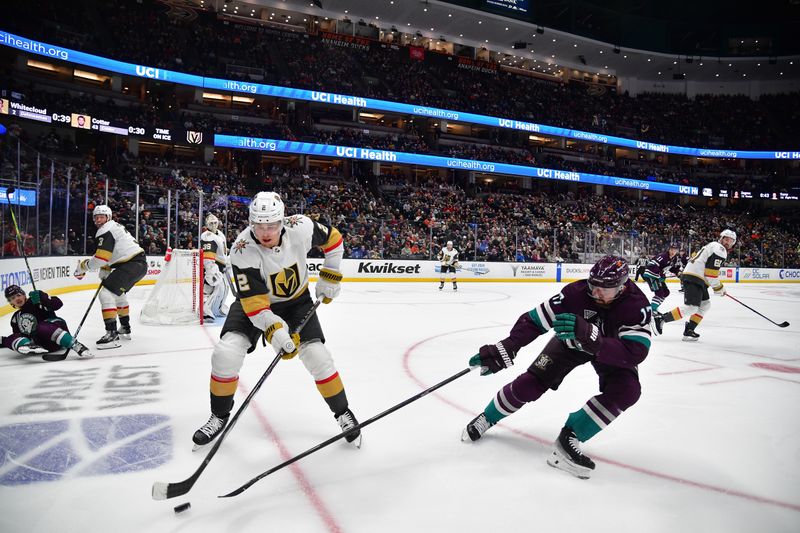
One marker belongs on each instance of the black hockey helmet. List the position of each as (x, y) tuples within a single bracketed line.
[(13, 290)]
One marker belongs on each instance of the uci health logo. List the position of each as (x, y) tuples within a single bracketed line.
[(33, 452)]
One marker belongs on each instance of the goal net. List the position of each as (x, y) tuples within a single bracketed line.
[(177, 296)]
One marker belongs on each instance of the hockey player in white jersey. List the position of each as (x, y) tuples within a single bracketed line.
[(701, 272), (215, 289), (448, 257), (122, 264), (268, 260)]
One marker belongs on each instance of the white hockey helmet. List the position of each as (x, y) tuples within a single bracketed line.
[(212, 223), (728, 233), (450, 243), (266, 207), (102, 210)]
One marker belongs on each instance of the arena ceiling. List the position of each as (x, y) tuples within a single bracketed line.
[(552, 48)]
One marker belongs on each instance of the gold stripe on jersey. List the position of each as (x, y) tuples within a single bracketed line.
[(253, 305), (103, 255), (334, 240), (712, 272), (208, 254)]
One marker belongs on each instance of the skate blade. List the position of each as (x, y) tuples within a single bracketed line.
[(690, 339), (465, 436), (125, 336), (196, 447), (556, 460), (357, 441), (108, 346)]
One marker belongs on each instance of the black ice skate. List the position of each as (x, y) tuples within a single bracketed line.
[(209, 431), (689, 334), (658, 322), (124, 332), (82, 351), (441, 285), (568, 457), (476, 428), (455, 287), (347, 421), (108, 341)]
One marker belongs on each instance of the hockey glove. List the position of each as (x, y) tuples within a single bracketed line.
[(328, 286), (36, 297), (719, 290), (577, 333), (493, 358), (80, 270), (279, 337)]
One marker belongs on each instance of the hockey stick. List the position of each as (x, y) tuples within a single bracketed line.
[(781, 325), (344, 434), (164, 491), (20, 242), (60, 357)]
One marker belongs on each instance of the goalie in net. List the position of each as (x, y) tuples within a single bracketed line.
[(192, 287)]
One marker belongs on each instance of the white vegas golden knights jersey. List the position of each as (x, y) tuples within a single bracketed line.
[(448, 257), (114, 246), (214, 248), (265, 276), (705, 264)]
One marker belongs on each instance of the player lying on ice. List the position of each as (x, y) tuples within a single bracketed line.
[(35, 328)]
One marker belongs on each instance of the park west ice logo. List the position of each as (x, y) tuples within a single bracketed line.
[(47, 451)]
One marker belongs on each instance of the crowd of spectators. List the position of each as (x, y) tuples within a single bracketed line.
[(390, 217), (200, 42)]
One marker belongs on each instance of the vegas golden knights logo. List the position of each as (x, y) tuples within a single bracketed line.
[(194, 137), (286, 282)]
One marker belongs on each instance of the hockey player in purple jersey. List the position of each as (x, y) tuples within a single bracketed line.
[(603, 320), (35, 328), (655, 273)]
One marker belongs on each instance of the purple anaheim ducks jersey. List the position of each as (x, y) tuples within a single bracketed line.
[(658, 266), (25, 319), (624, 324)]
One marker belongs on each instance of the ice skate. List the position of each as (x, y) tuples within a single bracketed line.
[(82, 351), (32, 348), (658, 322), (441, 286), (347, 421), (109, 340), (568, 457), (209, 431), (476, 428), (689, 334), (124, 332)]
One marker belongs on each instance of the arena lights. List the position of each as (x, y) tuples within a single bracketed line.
[(141, 71)]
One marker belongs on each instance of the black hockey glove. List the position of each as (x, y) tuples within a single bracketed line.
[(493, 358), (577, 333)]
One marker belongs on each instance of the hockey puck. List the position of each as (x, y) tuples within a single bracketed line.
[(182, 507)]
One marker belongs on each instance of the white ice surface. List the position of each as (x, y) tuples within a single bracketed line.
[(713, 445)]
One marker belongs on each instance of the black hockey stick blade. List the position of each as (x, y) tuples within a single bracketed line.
[(10, 191), (344, 434), (783, 324), (165, 491), (57, 356)]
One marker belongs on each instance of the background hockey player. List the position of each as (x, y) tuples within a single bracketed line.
[(122, 263), (271, 278), (655, 274), (700, 272), (448, 257), (215, 288), (603, 320), (35, 328)]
